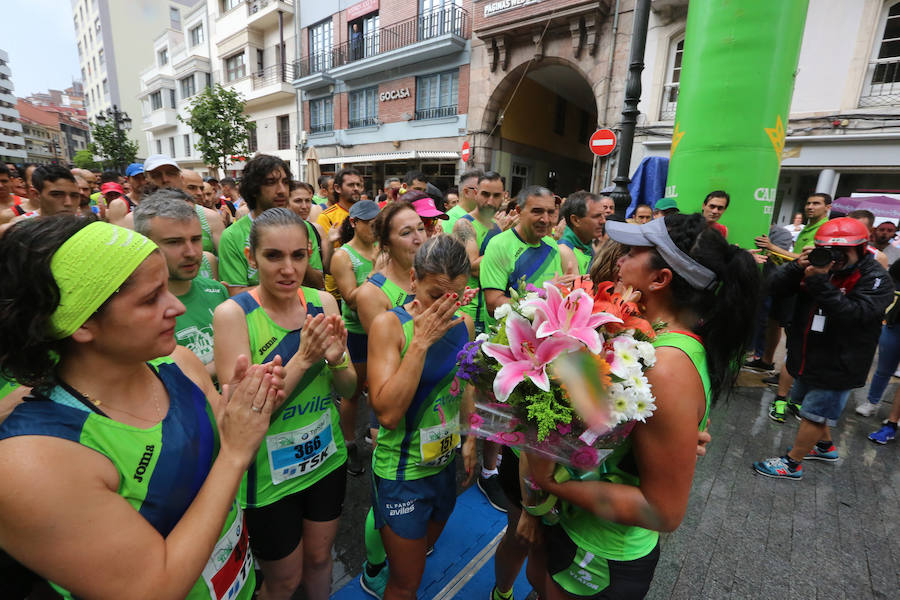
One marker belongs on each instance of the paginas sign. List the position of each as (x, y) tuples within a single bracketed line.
[(501, 6)]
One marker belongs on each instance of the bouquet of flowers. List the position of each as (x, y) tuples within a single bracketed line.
[(562, 373)]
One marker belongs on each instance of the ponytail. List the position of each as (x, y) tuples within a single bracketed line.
[(726, 312), (347, 230)]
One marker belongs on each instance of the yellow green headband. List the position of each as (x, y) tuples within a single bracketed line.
[(89, 267)]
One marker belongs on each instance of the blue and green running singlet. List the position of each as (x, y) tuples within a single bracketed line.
[(161, 469)]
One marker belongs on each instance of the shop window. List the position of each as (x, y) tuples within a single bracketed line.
[(363, 106), (436, 95)]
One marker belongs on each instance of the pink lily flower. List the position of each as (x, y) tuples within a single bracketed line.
[(570, 317), (526, 356)]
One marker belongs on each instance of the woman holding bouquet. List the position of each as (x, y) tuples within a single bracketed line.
[(704, 290), (417, 399)]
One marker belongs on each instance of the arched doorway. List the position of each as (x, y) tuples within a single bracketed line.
[(538, 121)]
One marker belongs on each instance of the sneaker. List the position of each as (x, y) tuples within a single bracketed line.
[(759, 364), (776, 412), (866, 409), (778, 467), (884, 435), (830, 455), (771, 380), (355, 466), (490, 487), (374, 586), (794, 408)]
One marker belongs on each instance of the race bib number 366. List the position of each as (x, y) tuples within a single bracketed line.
[(298, 452)]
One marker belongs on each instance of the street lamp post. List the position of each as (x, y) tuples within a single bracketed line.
[(121, 123), (620, 194)]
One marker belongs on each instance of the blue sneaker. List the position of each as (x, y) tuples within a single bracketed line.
[(374, 586), (830, 455), (778, 467), (884, 435)]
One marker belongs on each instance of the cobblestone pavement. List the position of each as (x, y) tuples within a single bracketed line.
[(832, 535)]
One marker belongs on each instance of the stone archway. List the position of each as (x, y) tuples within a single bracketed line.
[(532, 124)]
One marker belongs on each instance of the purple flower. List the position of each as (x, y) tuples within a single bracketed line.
[(465, 358), (539, 291)]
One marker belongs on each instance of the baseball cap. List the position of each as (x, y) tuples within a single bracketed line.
[(655, 234), (666, 204), (134, 169), (155, 161), (425, 208), (364, 209), (111, 186)]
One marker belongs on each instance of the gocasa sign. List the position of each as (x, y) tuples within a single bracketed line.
[(394, 94)]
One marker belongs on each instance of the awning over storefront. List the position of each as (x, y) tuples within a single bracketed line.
[(385, 156)]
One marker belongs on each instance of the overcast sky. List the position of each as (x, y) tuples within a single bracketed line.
[(40, 39)]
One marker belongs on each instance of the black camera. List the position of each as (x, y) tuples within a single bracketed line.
[(822, 255)]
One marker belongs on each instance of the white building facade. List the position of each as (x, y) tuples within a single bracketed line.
[(246, 46), (113, 39), (12, 140), (844, 131)]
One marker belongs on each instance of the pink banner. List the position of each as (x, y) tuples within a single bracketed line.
[(361, 8)]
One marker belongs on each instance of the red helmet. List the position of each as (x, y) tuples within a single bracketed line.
[(842, 231)]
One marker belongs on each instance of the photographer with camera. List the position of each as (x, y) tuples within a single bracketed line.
[(841, 295)]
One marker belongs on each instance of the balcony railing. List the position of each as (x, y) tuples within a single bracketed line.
[(435, 113), (362, 122), (321, 127), (441, 21), (273, 75), (669, 102), (883, 83), (254, 6)]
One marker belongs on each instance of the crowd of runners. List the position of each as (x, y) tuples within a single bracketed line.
[(192, 368)]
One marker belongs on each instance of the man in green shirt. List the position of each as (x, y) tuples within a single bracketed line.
[(584, 223), (325, 184), (818, 206), (265, 184), (468, 190), (168, 218), (475, 229)]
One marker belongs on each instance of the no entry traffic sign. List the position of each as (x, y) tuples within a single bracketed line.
[(603, 142), (466, 152)]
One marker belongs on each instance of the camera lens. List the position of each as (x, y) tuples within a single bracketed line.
[(820, 257)]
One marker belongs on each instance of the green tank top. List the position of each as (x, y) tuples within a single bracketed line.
[(205, 268), (315, 254), (161, 469), (362, 266), (424, 441), (396, 295), (584, 253), (304, 441), (615, 541), (476, 308), (208, 245)]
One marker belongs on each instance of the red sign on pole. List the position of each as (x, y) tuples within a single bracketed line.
[(361, 8), (466, 152), (603, 142)]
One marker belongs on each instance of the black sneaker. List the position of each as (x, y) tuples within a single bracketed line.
[(355, 466), (771, 380), (759, 365), (490, 487)]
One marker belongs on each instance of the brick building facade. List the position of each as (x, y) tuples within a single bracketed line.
[(384, 85)]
